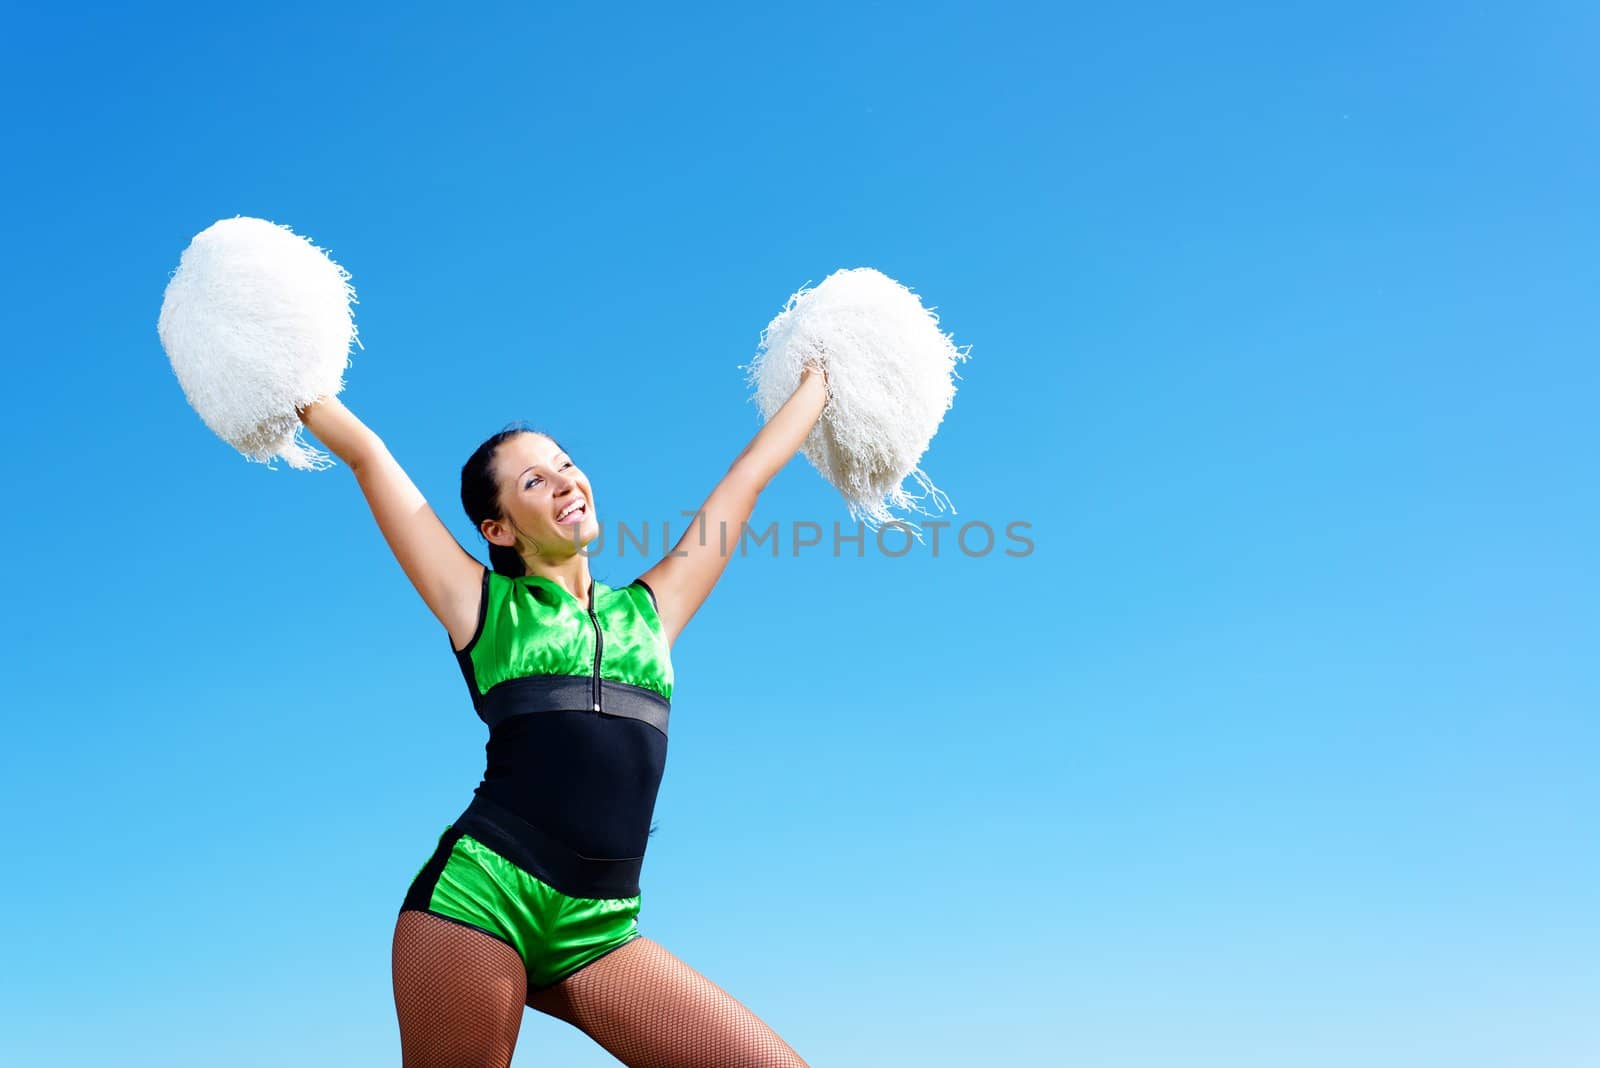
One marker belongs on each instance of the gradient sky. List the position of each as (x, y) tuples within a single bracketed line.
[(1278, 749)]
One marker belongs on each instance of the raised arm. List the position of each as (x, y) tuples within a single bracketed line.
[(683, 578), (446, 575)]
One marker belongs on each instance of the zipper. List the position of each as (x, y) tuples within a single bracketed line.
[(597, 646)]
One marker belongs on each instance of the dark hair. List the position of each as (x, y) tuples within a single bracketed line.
[(480, 495)]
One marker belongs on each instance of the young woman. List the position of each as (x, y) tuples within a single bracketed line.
[(531, 896)]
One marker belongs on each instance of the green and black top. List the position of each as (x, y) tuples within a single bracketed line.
[(576, 696)]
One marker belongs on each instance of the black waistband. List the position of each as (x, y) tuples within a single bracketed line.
[(552, 693), (541, 855)]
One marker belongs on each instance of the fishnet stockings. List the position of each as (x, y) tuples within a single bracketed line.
[(460, 993), (651, 1010)]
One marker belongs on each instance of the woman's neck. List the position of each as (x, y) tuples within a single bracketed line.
[(571, 574)]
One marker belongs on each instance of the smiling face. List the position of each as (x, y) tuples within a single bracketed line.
[(545, 500)]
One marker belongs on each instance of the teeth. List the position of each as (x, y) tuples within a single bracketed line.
[(569, 509)]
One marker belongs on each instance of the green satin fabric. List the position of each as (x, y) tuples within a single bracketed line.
[(554, 934), (531, 626)]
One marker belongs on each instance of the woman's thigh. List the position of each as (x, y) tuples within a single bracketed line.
[(459, 994), (651, 1010)]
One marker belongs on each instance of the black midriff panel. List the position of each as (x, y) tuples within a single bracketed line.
[(586, 778)]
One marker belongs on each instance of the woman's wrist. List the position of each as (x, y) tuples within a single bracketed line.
[(319, 407), (338, 428)]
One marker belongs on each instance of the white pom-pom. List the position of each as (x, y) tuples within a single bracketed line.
[(257, 323), (891, 375)]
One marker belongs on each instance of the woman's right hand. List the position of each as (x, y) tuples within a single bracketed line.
[(337, 427), (313, 411)]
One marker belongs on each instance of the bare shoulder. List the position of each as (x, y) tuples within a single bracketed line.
[(661, 582), (643, 582), (463, 599)]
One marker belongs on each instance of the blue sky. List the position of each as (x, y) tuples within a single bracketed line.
[(1275, 751)]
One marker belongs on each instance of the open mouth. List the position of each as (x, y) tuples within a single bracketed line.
[(573, 513)]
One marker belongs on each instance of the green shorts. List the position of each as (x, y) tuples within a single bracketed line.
[(554, 934)]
